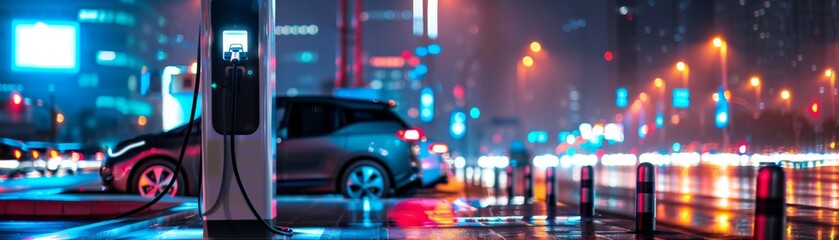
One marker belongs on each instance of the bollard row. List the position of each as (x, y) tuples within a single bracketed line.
[(770, 201)]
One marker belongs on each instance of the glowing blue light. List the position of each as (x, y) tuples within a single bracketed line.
[(659, 120), (475, 113), (457, 127), (537, 137), (413, 75), (421, 51), (421, 69), (681, 98), (45, 45), (570, 152), (622, 97), (434, 49), (677, 147), (426, 105), (721, 115)]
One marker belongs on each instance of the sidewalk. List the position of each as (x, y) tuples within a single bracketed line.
[(412, 218)]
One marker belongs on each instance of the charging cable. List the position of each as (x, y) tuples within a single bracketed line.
[(237, 55), (180, 156)]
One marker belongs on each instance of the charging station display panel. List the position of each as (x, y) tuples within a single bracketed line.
[(237, 24), (230, 37)]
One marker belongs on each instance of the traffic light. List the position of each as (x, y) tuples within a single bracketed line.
[(815, 109), (659, 120), (743, 148), (426, 105), (622, 95), (457, 128), (643, 130), (721, 116)]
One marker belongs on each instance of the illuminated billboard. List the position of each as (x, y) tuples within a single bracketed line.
[(45, 46)]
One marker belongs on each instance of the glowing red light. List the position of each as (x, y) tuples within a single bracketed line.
[(608, 56), (406, 54), (413, 61), (497, 138), (439, 148), (458, 92), (100, 156), (76, 156), (410, 135), (630, 17)]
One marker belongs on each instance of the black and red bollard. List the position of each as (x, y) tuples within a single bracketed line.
[(550, 193), (550, 185), (528, 184), (496, 182), (770, 204), (645, 199), (587, 192), (511, 184)]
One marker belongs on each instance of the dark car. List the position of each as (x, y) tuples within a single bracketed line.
[(323, 145), (14, 157)]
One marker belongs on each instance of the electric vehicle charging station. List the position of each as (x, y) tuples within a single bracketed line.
[(237, 48)]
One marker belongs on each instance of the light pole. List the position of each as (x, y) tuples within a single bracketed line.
[(683, 68), (786, 96), (659, 83), (755, 82), (832, 76), (719, 43)]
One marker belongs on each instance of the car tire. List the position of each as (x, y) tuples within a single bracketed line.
[(364, 178), (149, 178)]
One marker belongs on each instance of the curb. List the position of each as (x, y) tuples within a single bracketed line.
[(18, 208), (111, 229)]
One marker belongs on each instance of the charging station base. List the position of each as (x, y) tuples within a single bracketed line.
[(237, 229)]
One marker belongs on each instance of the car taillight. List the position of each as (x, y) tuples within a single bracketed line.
[(439, 148), (76, 156), (53, 154), (35, 154), (100, 156), (410, 135), (18, 154)]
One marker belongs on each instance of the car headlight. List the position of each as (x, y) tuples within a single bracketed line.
[(118, 152)]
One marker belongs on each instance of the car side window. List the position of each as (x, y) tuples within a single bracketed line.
[(311, 119), (355, 116), (277, 119)]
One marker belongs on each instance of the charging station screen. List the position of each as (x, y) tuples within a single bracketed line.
[(45, 45), (229, 37)]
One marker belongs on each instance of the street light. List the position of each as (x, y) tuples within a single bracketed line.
[(535, 47), (717, 42), (785, 95), (685, 70), (680, 66), (755, 82), (829, 73), (659, 83), (527, 61)]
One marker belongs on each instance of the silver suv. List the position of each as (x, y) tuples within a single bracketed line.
[(323, 145)]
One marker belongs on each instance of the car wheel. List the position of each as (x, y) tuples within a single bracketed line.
[(364, 179), (152, 177)]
